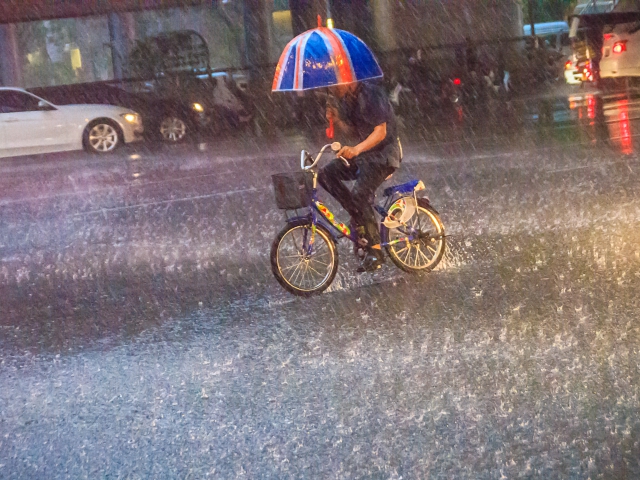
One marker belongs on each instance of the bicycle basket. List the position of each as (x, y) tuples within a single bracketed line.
[(292, 190)]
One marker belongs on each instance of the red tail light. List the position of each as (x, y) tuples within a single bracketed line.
[(619, 47), (457, 81), (608, 36), (567, 66)]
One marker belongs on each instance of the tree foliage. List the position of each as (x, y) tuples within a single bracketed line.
[(548, 10)]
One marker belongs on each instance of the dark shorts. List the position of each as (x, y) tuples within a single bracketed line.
[(368, 171)]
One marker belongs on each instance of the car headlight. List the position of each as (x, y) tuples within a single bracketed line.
[(131, 117), (198, 108)]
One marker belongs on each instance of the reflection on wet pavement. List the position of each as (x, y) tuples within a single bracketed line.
[(139, 319)]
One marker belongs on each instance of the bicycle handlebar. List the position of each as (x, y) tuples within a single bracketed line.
[(304, 155)]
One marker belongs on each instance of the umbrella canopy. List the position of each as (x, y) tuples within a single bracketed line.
[(323, 57)]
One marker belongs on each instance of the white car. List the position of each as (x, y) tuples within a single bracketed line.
[(621, 52), (31, 125), (572, 74)]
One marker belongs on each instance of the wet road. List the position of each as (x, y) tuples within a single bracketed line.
[(143, 336)]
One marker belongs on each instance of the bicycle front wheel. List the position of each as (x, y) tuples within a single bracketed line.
[(425, 251), (299, 268)]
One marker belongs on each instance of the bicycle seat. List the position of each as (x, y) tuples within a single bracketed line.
[(403, 188)]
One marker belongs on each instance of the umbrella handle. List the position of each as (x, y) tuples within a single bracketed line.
[(330, 130)]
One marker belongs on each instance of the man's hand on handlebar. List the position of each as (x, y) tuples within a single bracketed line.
[(347, 152), (307, 162)]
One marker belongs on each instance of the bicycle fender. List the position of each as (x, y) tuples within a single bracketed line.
[(430, 205), (300, 218), (425, 198)]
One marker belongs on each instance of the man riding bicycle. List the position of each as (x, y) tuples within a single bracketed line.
[(304, 256), (362, 108)]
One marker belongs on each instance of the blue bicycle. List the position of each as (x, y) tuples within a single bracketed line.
[(304, 255)]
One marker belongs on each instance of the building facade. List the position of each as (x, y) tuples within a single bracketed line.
[(240, 33)]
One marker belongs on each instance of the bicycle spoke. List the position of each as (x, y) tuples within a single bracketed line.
[(284, 269), (407, 255), (304, 238), (424, 256), (314, 275), (304, 243), (295, 243), (318, 255), (297, 255), (417, 221), (296, 272), (324, 260), (316, 271), (322, 246), (320, 264), (304, 275), (318, 261)]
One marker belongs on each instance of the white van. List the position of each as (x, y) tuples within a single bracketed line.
[(621, 51), (595, 6)]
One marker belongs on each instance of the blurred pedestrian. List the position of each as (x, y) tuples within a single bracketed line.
[(419, 78)]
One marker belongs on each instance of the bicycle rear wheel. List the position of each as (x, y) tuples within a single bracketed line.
[(424, 252), (298, 271)]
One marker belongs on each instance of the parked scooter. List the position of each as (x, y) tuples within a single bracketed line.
[(405, 103)]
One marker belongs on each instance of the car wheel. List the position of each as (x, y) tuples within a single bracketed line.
[(173, 129), (101, 136)]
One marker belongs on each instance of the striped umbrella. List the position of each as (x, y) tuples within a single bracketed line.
[(323, 57)]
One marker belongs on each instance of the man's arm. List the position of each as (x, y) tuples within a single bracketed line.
[(378, 135)]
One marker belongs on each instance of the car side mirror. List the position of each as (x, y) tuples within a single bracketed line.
[(44, 106)]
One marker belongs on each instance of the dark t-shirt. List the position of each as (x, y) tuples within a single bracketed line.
[(365, 109)]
